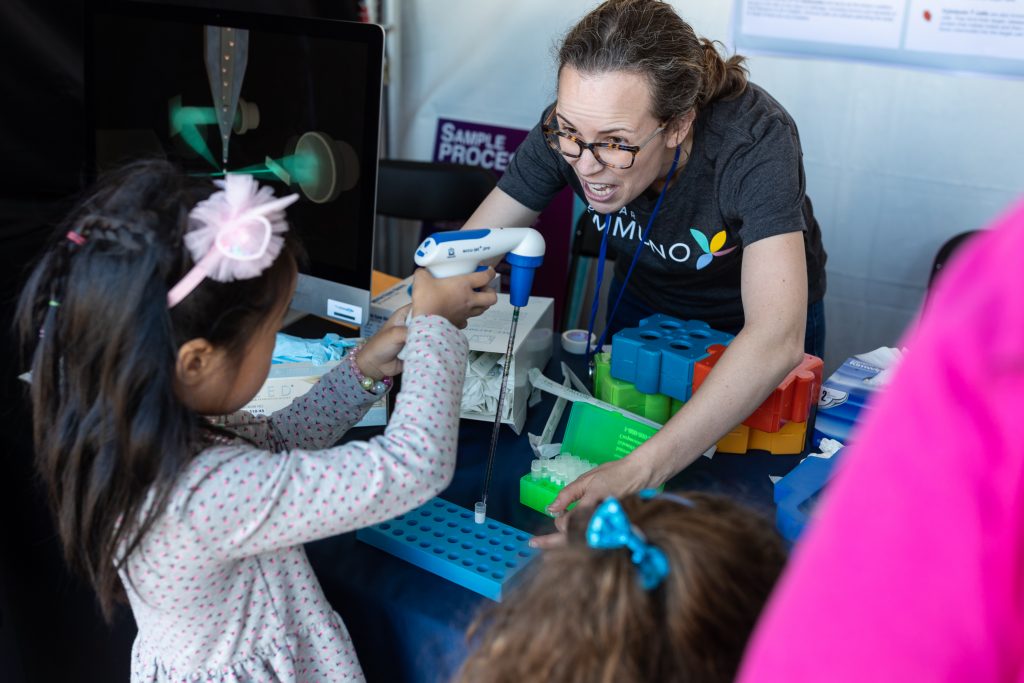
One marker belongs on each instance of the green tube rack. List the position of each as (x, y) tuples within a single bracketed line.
[(594, 434)]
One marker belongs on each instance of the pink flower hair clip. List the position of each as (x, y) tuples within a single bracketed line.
[(236, 233)]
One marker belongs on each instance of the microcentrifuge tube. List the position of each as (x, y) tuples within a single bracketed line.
[(480, 512)]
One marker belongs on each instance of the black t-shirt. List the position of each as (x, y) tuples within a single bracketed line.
[(744, 181)]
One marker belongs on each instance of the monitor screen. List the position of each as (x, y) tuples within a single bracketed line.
[(294, 101)]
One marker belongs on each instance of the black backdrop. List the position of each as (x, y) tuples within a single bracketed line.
[(50, 628)]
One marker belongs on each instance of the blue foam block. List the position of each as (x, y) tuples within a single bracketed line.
[(658, 356), (443, 539), (797, 492)]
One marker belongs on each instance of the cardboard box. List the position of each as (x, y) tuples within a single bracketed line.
[(288, 381), (489, 333)]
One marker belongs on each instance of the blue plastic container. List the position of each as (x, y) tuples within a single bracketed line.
[(442, 538), (658, 356), (796, 494)]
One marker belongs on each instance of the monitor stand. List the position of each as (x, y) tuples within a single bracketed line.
[(332, 300)]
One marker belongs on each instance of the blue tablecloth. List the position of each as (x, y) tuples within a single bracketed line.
[(408, 624)]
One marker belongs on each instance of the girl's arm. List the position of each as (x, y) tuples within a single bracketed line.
[(320, 417), (315, 420), (242, 501), (774, 287)]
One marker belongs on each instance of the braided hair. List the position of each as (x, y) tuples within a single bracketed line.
[(110, 433)]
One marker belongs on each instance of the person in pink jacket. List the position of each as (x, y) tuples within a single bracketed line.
[(913, 569)]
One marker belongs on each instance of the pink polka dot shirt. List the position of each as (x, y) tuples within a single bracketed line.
[(221, 588)]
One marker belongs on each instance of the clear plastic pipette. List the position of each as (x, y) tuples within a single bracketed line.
[(480, 509)]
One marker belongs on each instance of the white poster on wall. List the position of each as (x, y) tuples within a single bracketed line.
[(960, 35), (868, 24), (983, 28)]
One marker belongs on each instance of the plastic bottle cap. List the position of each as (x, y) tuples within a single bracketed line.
[(575, 341)]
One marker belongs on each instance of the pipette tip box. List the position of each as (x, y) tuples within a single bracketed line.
[(443, 539), (488, 333), (593, 434)]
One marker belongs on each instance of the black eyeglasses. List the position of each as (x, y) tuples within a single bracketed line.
[(612, 154)]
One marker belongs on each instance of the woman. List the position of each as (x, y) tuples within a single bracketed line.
[(694, 177)]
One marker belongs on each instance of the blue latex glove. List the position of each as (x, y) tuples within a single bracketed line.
[(289, 349)]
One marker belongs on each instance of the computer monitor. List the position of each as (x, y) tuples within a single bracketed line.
[(293, 100)]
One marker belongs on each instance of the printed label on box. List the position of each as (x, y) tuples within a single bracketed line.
[(340, 310), (843, 396)]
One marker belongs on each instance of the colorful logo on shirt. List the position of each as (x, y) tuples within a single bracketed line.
[(712, 248)]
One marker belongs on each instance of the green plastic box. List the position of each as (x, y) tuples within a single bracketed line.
[(594, 434)]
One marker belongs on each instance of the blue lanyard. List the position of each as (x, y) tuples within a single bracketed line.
[(600, 269)]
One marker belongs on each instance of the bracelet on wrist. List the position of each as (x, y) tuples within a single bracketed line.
[(369, 384)]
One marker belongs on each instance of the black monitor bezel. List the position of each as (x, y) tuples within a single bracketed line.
[(371, 35)]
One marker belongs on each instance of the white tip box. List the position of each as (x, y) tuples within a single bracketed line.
[(489, 333), (288, 381)]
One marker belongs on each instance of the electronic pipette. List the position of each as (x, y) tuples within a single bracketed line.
[(459, 252)]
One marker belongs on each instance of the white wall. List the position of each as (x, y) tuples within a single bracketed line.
[(897, 160)]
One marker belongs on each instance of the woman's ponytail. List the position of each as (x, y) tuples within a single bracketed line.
[(723, 79)]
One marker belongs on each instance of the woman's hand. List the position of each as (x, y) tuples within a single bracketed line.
[(616, 478), (379, 356), (454, 298)]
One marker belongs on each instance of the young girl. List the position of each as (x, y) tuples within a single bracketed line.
[(157, 304), (650, 588)]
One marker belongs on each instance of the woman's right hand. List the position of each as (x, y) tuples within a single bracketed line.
[(456, 298), (615, 478)]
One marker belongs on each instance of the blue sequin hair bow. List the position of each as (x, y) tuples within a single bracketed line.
[(610, 528)]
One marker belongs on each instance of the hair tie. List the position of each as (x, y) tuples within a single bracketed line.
[(610, 528), (75, 237), (651, 494), (236, 235)]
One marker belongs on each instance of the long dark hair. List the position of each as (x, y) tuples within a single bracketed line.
[(648, 37), (582, 616), (110, 434)]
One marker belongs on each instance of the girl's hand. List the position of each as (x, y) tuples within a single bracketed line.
[(454, 298), (379, 356)]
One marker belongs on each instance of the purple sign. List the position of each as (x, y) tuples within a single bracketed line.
[(492, 147), (476, 144)]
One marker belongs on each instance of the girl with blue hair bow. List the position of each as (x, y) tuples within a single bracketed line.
[(648, 588)]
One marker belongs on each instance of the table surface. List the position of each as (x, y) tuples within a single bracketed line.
[(408, 624)]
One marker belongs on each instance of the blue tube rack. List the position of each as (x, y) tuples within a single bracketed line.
[(442, 538)]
